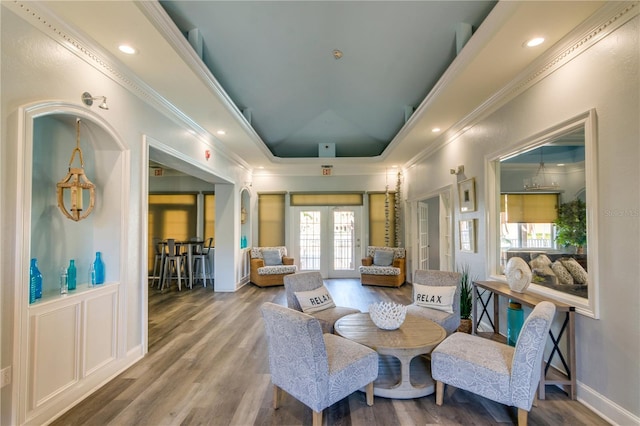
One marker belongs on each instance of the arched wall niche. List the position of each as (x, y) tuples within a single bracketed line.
[(49, 139), (245, 217), (86, 326)]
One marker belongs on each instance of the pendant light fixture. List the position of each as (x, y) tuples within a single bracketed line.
[(539, 181), (71, 187)]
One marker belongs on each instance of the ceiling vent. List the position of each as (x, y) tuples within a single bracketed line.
[(326, 150)]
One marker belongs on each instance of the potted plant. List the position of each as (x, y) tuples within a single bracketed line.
[(571, 225), (466, 300)]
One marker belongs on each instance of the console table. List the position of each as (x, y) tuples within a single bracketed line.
[(494, 289)]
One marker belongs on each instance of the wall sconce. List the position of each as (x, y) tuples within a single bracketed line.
[(457, 172), (74, 183), (87, 99)]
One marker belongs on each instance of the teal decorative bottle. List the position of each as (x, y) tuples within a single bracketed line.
[(64, 280), (34, 277), (71, 275), (38, 281), (98, 265), (515, 319), (92, 275)]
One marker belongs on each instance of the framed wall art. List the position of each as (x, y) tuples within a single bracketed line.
[(467, 236), (467, 195)]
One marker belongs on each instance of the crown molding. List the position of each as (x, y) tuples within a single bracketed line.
[(591, 31), (40, 16)]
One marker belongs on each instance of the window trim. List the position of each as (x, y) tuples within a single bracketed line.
[(591, 306)]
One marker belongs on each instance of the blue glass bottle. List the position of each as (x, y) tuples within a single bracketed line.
[(71, 275), (515, 319), (38, 281), (34, 275), (98, 265)]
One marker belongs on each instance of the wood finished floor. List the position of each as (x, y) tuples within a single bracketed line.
[(207, 365)]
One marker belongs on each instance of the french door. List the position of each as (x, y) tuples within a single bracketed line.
[(423, 235), (327, 239)]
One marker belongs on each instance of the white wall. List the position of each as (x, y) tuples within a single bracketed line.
[(179, 183), (605, 77), (37, 68)]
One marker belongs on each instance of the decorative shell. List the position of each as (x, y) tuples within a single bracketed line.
[(387, 315), (518, 274)]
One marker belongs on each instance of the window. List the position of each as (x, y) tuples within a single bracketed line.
[(209, 216), (271, 219), (526, 222), (171, 216), (379, 233)]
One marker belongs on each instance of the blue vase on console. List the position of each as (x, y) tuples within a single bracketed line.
[(515, 320), (98, 266)]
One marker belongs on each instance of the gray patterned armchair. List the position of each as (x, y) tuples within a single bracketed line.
[(306, 281), (494, 370), (318, 370), (447, 320)]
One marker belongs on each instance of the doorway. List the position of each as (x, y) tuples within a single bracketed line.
[(156, 154), (434, 236), (327, 239)]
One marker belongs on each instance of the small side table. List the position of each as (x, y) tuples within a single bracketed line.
[(416, 336), (567, 357)]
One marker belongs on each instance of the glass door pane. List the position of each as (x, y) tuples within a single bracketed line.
[(309, 240), (423, 235), (343, 240), (327, 240)]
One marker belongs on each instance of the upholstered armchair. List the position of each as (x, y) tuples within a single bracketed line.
[(309, 287), (436, 297), (383, 266), (315, 368), (269, 265), (494, 370)]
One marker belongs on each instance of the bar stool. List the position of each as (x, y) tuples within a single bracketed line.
[(172, 258), (203, 257), (158, 261)]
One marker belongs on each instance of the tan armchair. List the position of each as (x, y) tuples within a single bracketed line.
[(269, 265), (383, 266)]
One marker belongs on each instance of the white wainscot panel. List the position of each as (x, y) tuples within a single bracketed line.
[(54, 365), (100, 331)]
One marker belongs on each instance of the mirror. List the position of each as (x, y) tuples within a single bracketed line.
[(546, 208)]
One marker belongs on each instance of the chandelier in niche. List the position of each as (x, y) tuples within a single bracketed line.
[(73, 184), (539, 181)]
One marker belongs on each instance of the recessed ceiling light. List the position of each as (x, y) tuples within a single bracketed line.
[(125, 48), (536, 41), (435, 129), (221, 132)]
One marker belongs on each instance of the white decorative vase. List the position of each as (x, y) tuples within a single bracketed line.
[(387, 315), (518, 274)]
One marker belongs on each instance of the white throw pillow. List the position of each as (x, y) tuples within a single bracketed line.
[(434, 297), (576, 270), (564, 276), (315, 300)]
